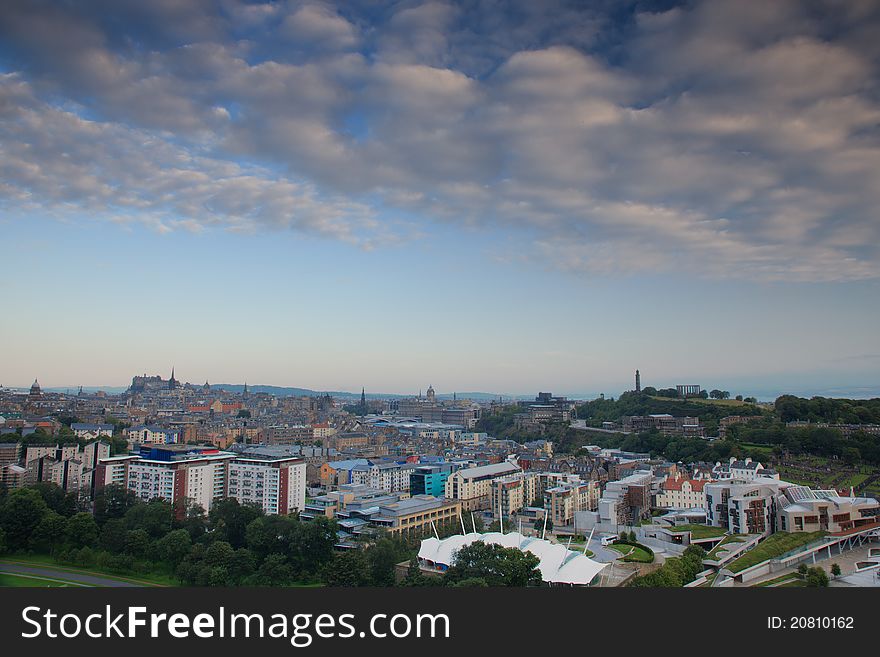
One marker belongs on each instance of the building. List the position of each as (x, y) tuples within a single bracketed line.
[(288, 435), (91, 431), (149, 435), (36, 393), (681, 493), (473, 486), (802, 509), (337, 473), (383, 475), (626, 501), (348, 501), (430, 479), (268, 478), (743, 507), (179, 474), (12, 476), (688, 390), (113, 471), (743, 470), (9, 453), (68, 466), (565, 500), (664, 423), (514, 492), (416, 516)]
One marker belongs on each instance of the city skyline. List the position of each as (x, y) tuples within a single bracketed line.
[(495, 199)]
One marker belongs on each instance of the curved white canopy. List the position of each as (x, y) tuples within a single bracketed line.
[(558, 565)]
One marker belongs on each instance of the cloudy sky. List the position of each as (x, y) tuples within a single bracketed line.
[(499, 196)]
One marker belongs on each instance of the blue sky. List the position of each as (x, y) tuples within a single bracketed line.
[(467, 195)]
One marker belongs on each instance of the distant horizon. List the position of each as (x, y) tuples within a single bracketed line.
[(767, 394)]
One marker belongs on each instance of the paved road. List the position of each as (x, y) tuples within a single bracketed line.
[(39, 571)]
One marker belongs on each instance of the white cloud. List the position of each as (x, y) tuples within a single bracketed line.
[(713, 138)]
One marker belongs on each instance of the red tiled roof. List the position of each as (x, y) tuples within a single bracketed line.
[(676, 484)]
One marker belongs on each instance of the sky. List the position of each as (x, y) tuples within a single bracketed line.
[(480, 196)]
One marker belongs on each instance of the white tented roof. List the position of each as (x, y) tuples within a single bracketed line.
[(558, 564)]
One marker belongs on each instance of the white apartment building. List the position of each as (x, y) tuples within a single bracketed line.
[(199, 478), (262, 477), (391, 477)]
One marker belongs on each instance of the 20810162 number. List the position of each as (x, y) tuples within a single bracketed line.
[(820, 623)]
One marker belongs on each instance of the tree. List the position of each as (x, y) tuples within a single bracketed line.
[(471, 581), (49, 533), (383, 557), (174, 546), (716, 394), (676, 571), (113, 535), (835, 569), (82, 530), (497, 565), (156, 518), (817, 577), (349, 568), (22, 512), (114, 501), (274, 571), (739, 398), (229, 520), (137, 543), (56, 499)]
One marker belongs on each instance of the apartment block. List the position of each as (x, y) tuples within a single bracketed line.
[(473, 486), (268, 478)]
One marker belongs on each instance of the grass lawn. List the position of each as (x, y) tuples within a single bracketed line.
[(49, 562), (710, 579), (773, 546), (777, 580), (852, 480), (700, 531), (765, 450), (717, 551), (632, 553), (32, 581)]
